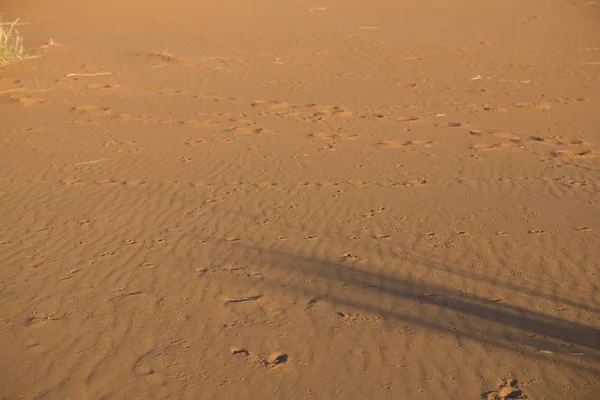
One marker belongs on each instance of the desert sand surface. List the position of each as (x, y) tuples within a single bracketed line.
[(268, 199)]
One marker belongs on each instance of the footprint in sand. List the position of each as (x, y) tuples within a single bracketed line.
[(537, 232), (147, 265), (85, 224), (276, 359), (271, 106), (69, 182), (374, 212), (537, 105), (331, 135), (214, 97), (348, 316), (194, 141), (24, 101), (574, 154), (347, 256), (381, 237), (506, 139), (162, 89), (509, 389), (494, 146), (309, 112), (102, 88), (449, 125), (160, 241), (235, 351), (91, 109)]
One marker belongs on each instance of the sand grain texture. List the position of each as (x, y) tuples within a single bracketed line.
[(280, 199)]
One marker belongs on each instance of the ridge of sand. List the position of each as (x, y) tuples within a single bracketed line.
[(281, 199)]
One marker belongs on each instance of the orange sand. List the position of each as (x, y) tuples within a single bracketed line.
[(276, 199)]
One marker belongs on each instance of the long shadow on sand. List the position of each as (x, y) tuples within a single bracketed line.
[(440, 308)]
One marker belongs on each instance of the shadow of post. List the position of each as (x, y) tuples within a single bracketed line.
[(440, 308)]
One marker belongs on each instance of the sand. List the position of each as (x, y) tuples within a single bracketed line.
[(275, 199)]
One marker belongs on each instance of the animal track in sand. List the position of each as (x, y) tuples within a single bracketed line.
[(347, 256), (92, 109), (112, 143), (316, 112), (449, 125), (374, 212), (204, 120), (69, 182), (494, 146), (276, 359), (85, 224), (381, 237), (102, 88), (409, 182), (510, 141), (537, 105), (25, 101), (537, 232), (494, 108), (164, 59), (574, 154), (509, 389), (203, 96), (194, 141), (239, 351), (243, 125), (214, 97), (348, 316), (335, 136)]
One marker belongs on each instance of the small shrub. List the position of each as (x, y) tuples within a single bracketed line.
[(11, 43)]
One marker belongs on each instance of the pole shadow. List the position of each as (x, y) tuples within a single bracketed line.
[(437, 307)]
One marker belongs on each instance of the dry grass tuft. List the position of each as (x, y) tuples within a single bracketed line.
[(11, 43)]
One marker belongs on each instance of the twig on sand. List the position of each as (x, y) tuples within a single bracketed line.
[(15, 23), (590, 63), (91, 162), (242, 299), (23, 90), (94, 74), (51, 43)]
